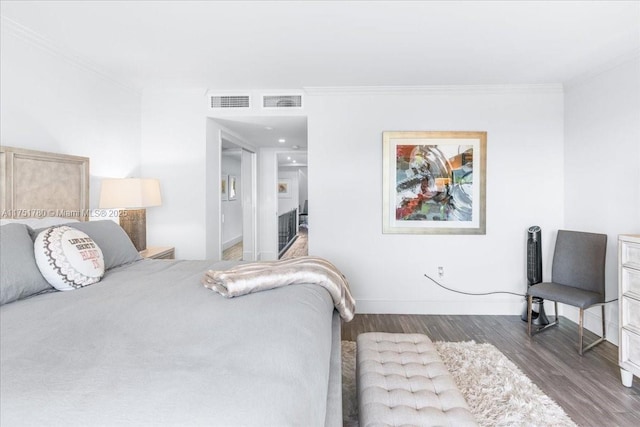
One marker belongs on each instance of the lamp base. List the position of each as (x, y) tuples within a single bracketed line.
[(538, 318), (134, 223)]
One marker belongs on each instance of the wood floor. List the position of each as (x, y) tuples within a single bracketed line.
[(588, 388), (300, 246), (233, 253)]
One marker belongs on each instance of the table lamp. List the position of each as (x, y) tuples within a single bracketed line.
[(132, 196)]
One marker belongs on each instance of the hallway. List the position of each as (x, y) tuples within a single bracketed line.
[(300, 247)]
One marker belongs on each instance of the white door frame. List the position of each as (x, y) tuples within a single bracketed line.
[(249, 197), (249, 190)]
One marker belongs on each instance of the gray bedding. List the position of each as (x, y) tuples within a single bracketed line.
[(149, 345)]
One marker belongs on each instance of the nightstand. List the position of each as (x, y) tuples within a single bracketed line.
[(159, 252)]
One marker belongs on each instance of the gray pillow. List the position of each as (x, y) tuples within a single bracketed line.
[(19, 273), (116, 246)]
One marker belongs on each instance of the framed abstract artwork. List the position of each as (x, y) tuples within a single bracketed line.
[(434, 182)]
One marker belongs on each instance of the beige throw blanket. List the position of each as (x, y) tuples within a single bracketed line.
[(261, 276)]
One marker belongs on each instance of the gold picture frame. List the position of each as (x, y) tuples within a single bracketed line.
[(434, 182)]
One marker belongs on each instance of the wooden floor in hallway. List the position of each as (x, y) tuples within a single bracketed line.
[(233, 253), (300, 247)]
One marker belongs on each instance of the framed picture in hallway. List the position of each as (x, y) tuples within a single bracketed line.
[(284, 188), (224, 188), (232, 190), (434, 182)]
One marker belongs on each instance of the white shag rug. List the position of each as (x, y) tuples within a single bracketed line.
[(497, 392)]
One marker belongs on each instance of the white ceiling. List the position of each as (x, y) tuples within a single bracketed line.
[(241, 45), (289, 45), (267, 132)]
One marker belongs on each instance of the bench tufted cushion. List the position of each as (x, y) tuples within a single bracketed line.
[(402, 381)]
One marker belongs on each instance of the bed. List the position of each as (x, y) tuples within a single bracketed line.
[(150, 345)]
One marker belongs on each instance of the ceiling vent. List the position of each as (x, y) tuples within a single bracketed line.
[(230, 101), (282, 101)]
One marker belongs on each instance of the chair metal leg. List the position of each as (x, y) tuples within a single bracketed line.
[(580, 331), (604, 328), (596, 342)]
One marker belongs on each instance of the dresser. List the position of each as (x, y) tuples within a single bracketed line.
[(629, 306)]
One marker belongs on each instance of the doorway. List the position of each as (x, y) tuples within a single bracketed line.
[(267, 137), (231, 191), (238, 196), (293, 219)]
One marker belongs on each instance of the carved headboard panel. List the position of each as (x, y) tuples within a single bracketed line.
[(35, 184)]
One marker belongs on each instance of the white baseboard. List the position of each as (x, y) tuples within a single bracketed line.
[(226, 245), (477, 307)]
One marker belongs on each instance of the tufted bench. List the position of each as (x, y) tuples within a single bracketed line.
[(402, 381)]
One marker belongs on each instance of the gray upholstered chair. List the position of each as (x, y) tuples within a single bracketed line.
[(577, 278)]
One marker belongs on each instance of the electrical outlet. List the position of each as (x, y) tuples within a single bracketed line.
[(441, 271)]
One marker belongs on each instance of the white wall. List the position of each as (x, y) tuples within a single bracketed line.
[(602, 168), (51, 103), (232, 209), (524, 187), (174, 150)]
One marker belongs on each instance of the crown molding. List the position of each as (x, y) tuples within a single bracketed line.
[(607, 66), (435, 89), (12, 27)]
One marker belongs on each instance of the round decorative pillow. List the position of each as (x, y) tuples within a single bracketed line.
[(68, 258)]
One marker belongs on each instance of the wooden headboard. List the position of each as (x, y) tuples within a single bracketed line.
[(36, 184)]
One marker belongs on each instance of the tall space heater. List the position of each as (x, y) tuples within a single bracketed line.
[(534, 275)]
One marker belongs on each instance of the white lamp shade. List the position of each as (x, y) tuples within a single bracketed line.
[(129, 193)]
